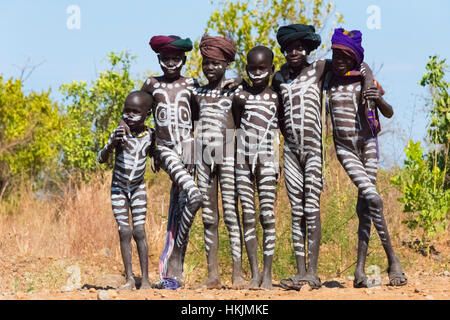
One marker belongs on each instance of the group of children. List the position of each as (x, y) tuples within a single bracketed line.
[(226, 133)]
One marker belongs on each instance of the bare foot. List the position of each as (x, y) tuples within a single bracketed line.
[(145, 285), (129, 285), (213, 283), (360, 280), (267, 283), (238, 283), (255, 283), (397, 277)]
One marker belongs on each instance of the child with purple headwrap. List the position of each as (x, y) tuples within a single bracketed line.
[(299, 84), (355, 128)]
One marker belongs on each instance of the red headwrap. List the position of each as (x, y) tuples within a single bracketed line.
[(170, 44), (218, 48)]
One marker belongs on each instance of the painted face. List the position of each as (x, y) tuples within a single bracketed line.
[(171, 64), (259, 69), (134, 115), (296, 53), (214, 70), (342, 62)]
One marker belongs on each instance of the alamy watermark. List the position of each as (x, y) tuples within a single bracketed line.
[(374, 18), (73, 21)]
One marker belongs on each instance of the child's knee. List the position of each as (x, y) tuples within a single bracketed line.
[(139, 233), (196, 199), (209, 222), (375, 201), (267, 218), (125, 233)]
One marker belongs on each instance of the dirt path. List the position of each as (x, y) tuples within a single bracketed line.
[(45, 278), (419, 288)]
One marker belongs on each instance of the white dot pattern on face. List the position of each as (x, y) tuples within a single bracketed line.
[(148, 81), (251, 97), (266, 96), (170, 86), (258, 97), (340, 88), (163, 85), (303, 78), (242, 96), (350, 88), (177, 85), (274, 96), (358, 88), (156, 85)]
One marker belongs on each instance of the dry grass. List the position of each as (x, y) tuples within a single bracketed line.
[(77, 226)]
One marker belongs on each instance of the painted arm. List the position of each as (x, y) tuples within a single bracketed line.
[(147, 85), (375, 95), (195, 110), (113, 141), (280, 114), (237, 109), (368, 80)]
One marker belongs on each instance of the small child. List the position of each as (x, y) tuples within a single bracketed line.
[(132, 145), (355, 128), (255, 111)]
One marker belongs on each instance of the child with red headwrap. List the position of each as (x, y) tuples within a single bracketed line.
[(174, 122)]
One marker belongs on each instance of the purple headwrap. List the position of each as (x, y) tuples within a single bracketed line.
[(351, 40)]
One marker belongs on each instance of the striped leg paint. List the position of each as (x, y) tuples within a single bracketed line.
[(231, 216), (294, 180), (362, 170), (266, 181), (184, 182), (246, 191)]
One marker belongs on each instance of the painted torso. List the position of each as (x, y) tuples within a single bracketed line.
[(258, 124), (171, 110), (215, 116), (302, 108), (347, 111), (130, 159)]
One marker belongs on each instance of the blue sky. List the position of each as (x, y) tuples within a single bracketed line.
[(36, 31)]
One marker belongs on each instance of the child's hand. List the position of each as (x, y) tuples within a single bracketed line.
[(232, 84), (373, 94), (118, 136)]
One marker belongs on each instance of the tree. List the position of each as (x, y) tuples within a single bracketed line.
[(255, 22), (424, 180), (29, 126), (439, 126), (91, 114)]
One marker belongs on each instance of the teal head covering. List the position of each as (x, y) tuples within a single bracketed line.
[(303, 32)]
